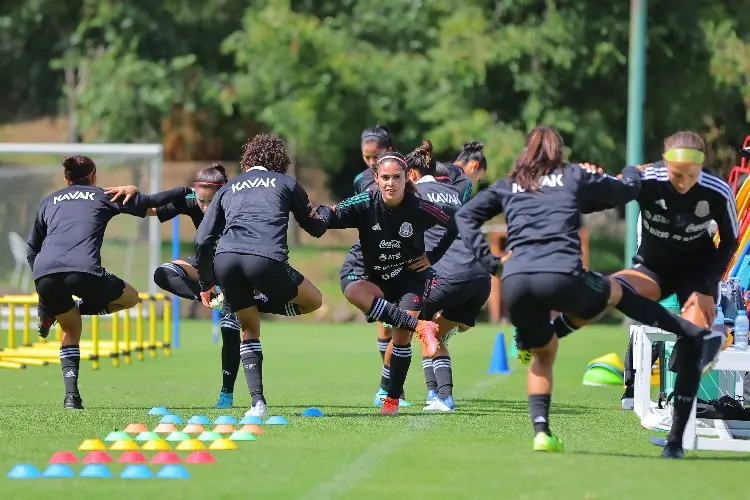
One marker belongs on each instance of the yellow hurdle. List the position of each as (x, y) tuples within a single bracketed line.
[(20, 347)]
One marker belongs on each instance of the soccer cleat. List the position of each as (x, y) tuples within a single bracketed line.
[(382, 394), (712, 344), (426, 333), (441, 405), (673, 450), (390, 407), (431, 395), (628, 399), (45, 325), (524, 356), (73, 402), (226, 401), (453, 331), (258, 410), (217, 301), (544, 442)]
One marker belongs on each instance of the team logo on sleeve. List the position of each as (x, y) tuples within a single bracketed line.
[(405, 230), (702, 209)]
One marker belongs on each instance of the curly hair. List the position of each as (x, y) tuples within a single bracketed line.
[(265, 150)]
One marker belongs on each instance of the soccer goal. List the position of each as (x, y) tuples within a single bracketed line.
[(29, 172)]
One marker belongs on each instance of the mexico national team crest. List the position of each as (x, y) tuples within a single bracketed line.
[(405, 230), (702, 209)]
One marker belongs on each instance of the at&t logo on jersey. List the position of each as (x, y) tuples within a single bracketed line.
[(551, 180), (253, 183), (76, 195)]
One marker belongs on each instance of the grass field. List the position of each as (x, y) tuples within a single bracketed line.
[(481, 451)]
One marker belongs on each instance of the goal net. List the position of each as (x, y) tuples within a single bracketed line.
[(30, 172)]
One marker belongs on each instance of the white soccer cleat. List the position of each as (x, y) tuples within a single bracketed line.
[(217, 302), (259, 410), (627, 404), (438, 405)]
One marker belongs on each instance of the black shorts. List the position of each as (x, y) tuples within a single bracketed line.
[(532, 297), (353, 268), (459, 302), (56, 291), (682, 282), (239, 275), (408, 290)]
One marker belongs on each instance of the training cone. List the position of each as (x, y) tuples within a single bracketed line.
[(63, 457), (147, 436), (159, 410), (200, 457), (165, 428), (499, 361), (171, 419), (118, 436), (156, 445), (199, 419), (251, 421), (136, 428), (611, 362), (97, 457), (178, 436), (166, 457), (600, 377), (58, 470), (209, 436), (124, 446), (252, 428), (193, 429), (24, 471), (190, 445), (276, 420), (96, 470), (92, 445), (136, 471), (224, 428), (242, 436), (132, 457), (225, 419), (222, 444), (173, 471), (312, 412)]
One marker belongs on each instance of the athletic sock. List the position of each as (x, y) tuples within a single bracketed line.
[(430, 374), (400, 361), (562, 326), (383, 346), (653, 314), (251, 354), (385, 378), (688, 356), (173, 279), (443, 376), (70, 361), (539, 410), (382, 310), (230, 352)]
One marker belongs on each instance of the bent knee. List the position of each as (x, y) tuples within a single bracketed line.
[(129, 297), (615, 291)]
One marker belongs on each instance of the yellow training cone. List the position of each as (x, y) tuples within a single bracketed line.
[(92, 445), (222, 444), (156, 445), (610, 361), (190, 445), (124, 446)]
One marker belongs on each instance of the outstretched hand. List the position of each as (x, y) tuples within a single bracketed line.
[(591, 168), (127, 191), (207, 295)]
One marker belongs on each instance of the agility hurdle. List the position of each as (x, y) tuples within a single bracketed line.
[(145, 327)]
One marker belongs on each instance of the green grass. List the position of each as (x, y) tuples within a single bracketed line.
[(482, 451)]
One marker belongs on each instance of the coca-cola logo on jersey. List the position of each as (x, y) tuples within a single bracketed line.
[(385, 244)]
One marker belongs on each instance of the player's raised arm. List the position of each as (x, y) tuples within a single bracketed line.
[(347, 214), (469, 220), (304, 213), (602, 189), (139, 204)]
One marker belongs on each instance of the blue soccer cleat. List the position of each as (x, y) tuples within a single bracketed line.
[(226, 401), (380, 398), (441, 405), (431, 395)]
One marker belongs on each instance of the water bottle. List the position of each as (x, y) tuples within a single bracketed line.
[(741, 327), (718, 325)]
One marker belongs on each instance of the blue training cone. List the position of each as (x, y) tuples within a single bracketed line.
[(199, 419), (59, 470), (24, 471), (251, 420), (312, 412), (499, 361), (136, 471), (159, 410), (276, 420), (173, 471), (225, 419), (96, 470), (171, 419)]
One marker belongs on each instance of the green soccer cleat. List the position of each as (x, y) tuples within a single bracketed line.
[(524, 357), (543, 442)]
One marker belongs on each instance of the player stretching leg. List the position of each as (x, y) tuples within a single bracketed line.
[(64, 252), (544, 272), (392, 221), (242, 246), (459, 289)]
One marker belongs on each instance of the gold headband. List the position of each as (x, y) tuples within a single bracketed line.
[(682, 155)]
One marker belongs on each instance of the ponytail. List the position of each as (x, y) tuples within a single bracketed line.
[(542, 154)]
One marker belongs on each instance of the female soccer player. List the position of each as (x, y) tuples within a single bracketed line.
[(541, 199), (245, 227), (459, 288), (392, 221), (467, 170), (678, 200), (64, 252)]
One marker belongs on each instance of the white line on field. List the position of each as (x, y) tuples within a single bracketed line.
[(348, 476)]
